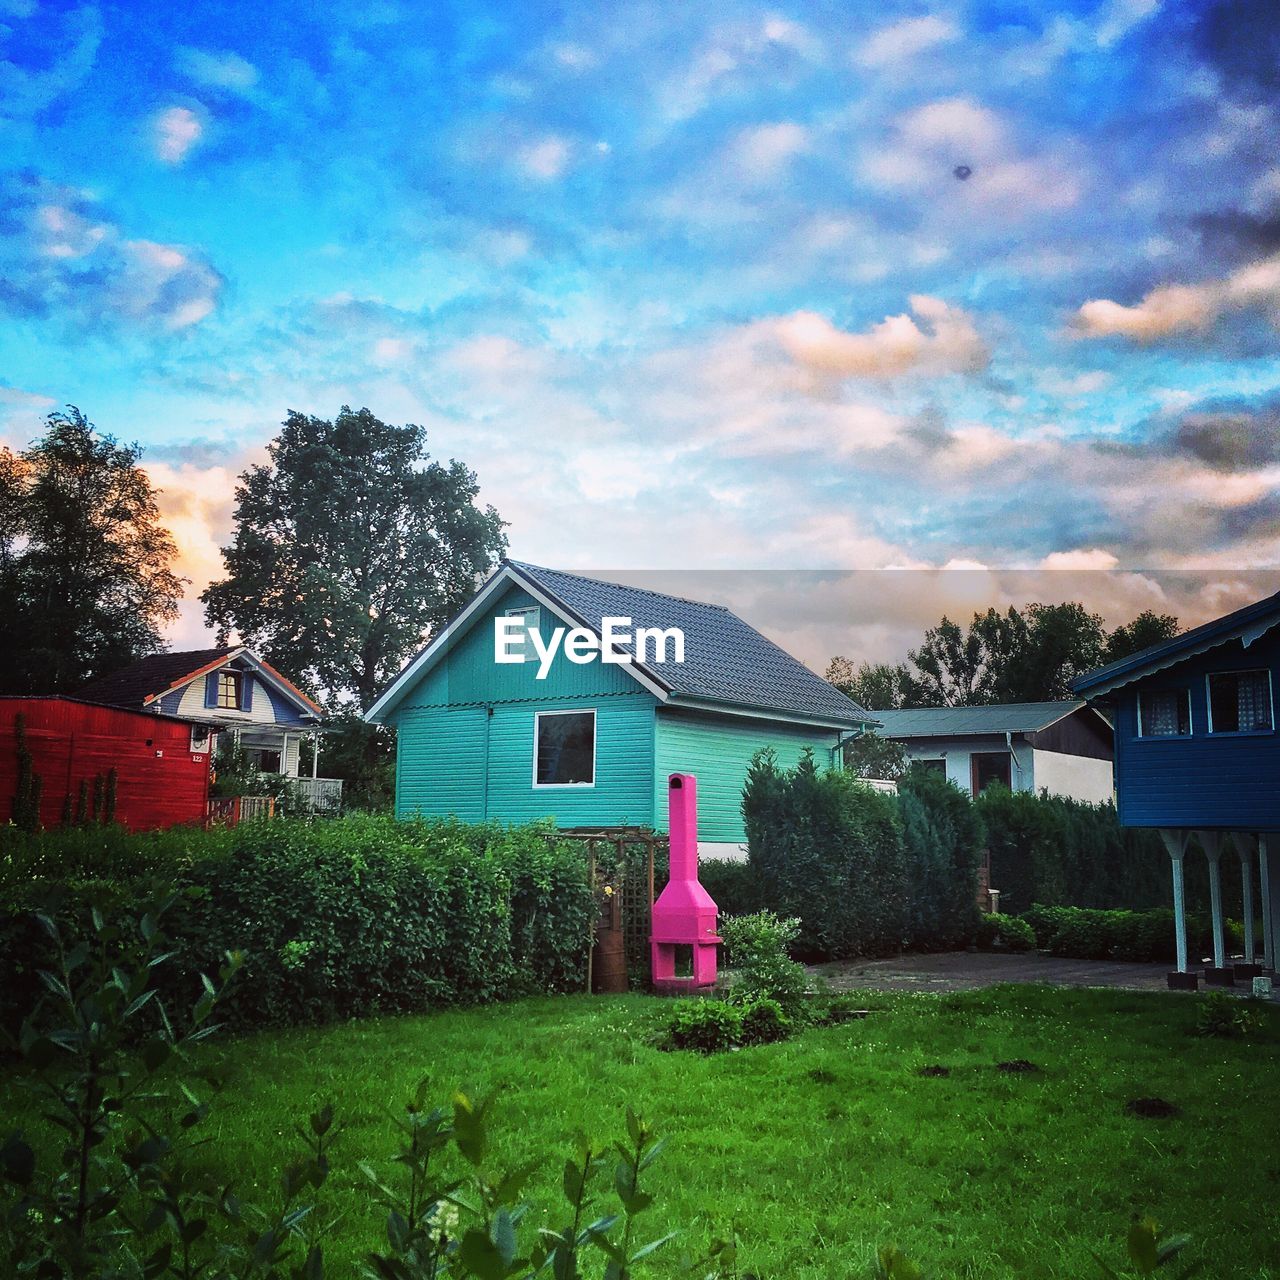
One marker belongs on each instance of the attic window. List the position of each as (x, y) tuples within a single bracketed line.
[(1164, 713), (229, 690), (1240, 702), (530, 616)]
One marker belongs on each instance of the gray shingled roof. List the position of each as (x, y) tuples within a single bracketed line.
[(950, 722), (725, 660)]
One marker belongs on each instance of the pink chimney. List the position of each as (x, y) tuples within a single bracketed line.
[(683, 943)]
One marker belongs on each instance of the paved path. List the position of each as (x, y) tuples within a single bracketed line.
[(966, 971)]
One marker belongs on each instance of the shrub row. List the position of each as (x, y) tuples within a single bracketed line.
[(356, 916), (1087, 934), (864, 872), (1050, 849)]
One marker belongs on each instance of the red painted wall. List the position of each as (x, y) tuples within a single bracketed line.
[(160, 781)]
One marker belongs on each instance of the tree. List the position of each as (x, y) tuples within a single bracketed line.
[(351, 547), (1060, 643), (1146, 629), (86, 577), (955, 668), (871, 756), (877, 686)]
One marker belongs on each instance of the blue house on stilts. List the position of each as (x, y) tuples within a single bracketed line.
[(1197, 756)]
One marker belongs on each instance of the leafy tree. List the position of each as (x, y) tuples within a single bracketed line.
[(960, 668), (1146, 629), (351, 546), (878, 686), (871, 756), (1059, 643), (86, 576), (363, 756)]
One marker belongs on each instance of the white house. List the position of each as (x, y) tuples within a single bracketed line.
[(1065, 748)]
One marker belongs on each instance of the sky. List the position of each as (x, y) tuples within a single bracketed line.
[(990, 288)]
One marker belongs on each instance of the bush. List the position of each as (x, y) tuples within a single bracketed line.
[(1225, 1016), (706, 1026), (944, 840), (339, 919), (732, 886), (1052, 850), (828, 850), (1000, 932), (764, 1022), (757, 949), (1139, 936)]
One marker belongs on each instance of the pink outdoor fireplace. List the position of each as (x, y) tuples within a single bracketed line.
[(683, 942)]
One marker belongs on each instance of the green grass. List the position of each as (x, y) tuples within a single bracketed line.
[(823, 1148)]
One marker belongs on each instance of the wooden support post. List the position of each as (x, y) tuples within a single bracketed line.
[(1175, 843), (1211, 843)]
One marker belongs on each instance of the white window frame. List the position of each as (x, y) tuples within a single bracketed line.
[(1165, 737), (1239, 733), (532, 615), (537, 727)]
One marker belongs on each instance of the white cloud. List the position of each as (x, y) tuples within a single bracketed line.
[(1093, 558), (545, 159), (903, 40), (1118, 17), (217, 69), (177, 130), (948, 342), (762, 151), (931, 141), (1175, 309)]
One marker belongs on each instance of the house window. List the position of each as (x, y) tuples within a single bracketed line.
[(267, 761), (990, 767), (564, 749), (933, 766), (519, 641), (229, 690), (1164, 713), (1240, 702)]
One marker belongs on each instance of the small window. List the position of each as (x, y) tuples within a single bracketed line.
[(199, 739), (1164, 713), (564, 749), (519, 642), (1240, 702), (990, 767), (932, 766), (229, 690)]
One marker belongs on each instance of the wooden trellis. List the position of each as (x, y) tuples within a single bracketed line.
[(632, 861)]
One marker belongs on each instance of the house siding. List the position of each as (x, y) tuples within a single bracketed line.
[(465, 736), (717, 750), (1202, 779)]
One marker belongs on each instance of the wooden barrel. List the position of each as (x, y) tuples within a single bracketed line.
[(609, 957)]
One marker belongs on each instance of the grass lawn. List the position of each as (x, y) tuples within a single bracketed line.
[(822, 1148)]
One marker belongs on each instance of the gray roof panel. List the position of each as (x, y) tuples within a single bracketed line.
[(725, 660), (953, 722)]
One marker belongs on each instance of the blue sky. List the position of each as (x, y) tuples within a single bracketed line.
[(726, 286)]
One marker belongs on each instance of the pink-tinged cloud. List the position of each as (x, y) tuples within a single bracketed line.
[(936, 338), (1176, 309), (177, 130)]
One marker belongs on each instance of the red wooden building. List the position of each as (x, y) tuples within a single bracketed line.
[(160, 763)]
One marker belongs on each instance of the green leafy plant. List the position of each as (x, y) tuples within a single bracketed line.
[(706, 1026), (1007, 933), (1148, 1252), (757, 949), (1225, 1016), (764, 1022)]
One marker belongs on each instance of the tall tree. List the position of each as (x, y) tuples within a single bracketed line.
[(86, 566), (1060, 642), (351, 546), (877, 686), (955, 667), (1146, 629)]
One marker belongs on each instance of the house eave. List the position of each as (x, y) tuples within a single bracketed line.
[(679, 701)]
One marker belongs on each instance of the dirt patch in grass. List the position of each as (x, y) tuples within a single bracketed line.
[(935, 1069), (1018, 1067), (1152, 1108)]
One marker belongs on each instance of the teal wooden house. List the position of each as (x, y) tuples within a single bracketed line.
[(590, 742)]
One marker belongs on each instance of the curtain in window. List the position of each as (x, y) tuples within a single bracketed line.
[(1254, 700), (1160, 714)]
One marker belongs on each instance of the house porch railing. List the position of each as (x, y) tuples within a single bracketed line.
[(319, 795)]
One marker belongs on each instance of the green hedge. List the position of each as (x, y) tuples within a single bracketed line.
[(339, 919), (732, 886), (1089, 934), (865, 873), (1049, 849)]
